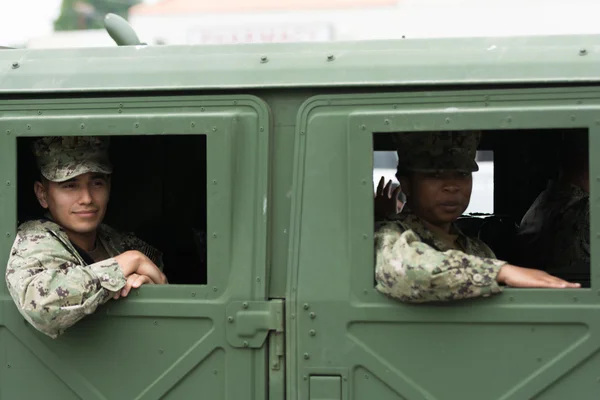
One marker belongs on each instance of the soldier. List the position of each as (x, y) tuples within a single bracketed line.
[(64, 266), (555, 232), (420, 254)]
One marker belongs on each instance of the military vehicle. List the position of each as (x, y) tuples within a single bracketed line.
[(251, 167)]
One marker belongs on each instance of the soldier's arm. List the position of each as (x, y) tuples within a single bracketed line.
[(51, 291), (132, 242), (411, 270)]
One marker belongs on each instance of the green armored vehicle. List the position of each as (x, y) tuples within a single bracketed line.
[(251, 168)]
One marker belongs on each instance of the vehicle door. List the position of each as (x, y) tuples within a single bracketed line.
[(177, 341), (352, 342)]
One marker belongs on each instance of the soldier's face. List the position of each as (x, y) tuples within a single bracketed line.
[(439, 198), (79, 204)]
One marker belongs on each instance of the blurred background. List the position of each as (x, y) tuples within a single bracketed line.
[(77, 23)]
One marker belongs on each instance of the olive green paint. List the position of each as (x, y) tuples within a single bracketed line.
[(513, 346), (176, 341), (290, 224)]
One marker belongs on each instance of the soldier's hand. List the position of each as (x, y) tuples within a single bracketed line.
[(134, 261), (386, 201), (134, 281), (520, 277)]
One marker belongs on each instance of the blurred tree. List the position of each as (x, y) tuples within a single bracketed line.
[(89, 14)]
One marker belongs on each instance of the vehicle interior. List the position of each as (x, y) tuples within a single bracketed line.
[(155, 192), (524, 162), (158, 194)]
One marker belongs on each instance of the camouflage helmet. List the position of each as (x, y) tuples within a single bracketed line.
[(437, 150), (61, 158)]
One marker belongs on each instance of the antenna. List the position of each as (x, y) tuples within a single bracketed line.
[(120, 31)]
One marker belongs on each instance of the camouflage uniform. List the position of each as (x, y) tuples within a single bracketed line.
[(555, 231), (413, 263), (53, 283)]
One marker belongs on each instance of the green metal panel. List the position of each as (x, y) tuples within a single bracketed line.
[(335, 64), (284, 107), (315, 166), (163, 341), (523, 344), (325, 388)]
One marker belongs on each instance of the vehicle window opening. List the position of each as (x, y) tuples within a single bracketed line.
[(515, 168), (158, 192)]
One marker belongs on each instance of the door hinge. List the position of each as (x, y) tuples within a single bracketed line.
[(248, 322), (276, 350)]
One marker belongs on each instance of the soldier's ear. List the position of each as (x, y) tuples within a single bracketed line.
[(40, 193)]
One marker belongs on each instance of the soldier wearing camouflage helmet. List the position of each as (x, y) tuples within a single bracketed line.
[(64, 266), (421, 255)]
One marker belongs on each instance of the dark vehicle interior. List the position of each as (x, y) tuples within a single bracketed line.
[(524, 162)]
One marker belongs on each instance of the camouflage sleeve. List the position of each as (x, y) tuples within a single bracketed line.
[(132, 242), (412, 271), (51, 291)]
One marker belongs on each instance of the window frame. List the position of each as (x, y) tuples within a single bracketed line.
[(466, 114), (231, 124)]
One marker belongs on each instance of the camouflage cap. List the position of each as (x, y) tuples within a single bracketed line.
[(439, 150), (61, 158)]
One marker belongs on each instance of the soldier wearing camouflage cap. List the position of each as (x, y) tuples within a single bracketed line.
[(421, 255), (64, 266)]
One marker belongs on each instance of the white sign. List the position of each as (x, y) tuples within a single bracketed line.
[(260, 34)]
